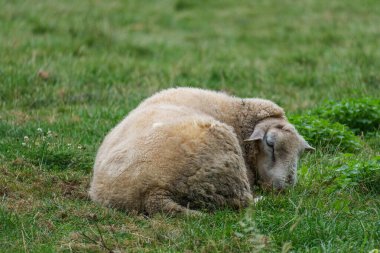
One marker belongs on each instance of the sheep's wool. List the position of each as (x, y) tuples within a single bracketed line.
[(179, 151)]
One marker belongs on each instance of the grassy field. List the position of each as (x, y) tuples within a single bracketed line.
[(70, 70)]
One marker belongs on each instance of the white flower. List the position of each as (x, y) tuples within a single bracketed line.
[(39, 130), (26, 138)]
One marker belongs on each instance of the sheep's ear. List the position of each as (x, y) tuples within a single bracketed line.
[(258, 134), (307, 147)]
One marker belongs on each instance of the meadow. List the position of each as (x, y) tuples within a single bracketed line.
[(70, 70)]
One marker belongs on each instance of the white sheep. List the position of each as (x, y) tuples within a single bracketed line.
[(186, 149)]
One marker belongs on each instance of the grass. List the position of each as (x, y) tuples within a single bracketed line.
[(70, 70)]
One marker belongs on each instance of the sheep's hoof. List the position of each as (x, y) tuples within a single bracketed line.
[(193, 213)]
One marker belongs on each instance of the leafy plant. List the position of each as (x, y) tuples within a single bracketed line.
[(361, 115), (323, 133), (351, 172)]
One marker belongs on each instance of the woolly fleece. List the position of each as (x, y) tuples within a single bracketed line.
[(181, 150)]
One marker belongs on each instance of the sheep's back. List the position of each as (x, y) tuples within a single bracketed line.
[(144, 153)]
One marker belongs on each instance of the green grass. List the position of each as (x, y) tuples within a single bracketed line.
[(70, 70)]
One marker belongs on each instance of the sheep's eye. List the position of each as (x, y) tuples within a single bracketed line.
[(270, 143)]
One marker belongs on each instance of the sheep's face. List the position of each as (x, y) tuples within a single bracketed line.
[(278, 149)]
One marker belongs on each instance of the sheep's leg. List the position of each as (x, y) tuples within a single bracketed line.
[(164, 204)]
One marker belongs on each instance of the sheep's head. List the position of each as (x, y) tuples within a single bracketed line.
[(278, 148)]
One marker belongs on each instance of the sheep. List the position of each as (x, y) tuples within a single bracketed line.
[(185, 150)]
